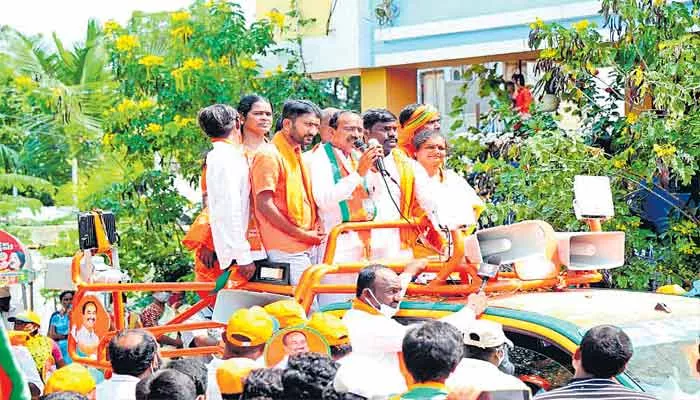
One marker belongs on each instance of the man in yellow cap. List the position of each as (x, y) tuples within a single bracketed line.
[(333, 331), (72, 378), (247, 332), (231, 374), (45, 352), (287, 313)]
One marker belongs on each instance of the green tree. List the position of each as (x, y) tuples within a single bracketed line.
[(651, 49)]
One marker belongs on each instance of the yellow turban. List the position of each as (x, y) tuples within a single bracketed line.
[(421, 116)]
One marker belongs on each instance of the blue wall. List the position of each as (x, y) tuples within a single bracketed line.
[(412, 12)]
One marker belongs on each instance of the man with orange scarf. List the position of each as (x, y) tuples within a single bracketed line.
[(227, 198), (409, 193), (284, 203)]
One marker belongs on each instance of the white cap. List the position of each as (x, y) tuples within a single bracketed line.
[(484, 334)]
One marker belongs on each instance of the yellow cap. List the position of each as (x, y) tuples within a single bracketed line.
[(253, 323), (671, 289), (331, 327), (27, 316), (18, 338), (71, 378), (232, 373), (287, 312)]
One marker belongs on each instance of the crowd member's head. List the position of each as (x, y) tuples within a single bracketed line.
[(413, 119), (510, 89), (246, 333), (27, 321), (603, 353), (346, 129), (263, 382), (256, 115), (381, 124), (333, 331), (64, 396), (231, 376), (219, 121), (193, 368), (295, 342), (133, 352), (432, 351), (380, 288), (307, 376), (431, 150), (325, 130), (287, 313), (518, 79), (66, 299), (485, 341), (71, 378), (300, 121), (161, 297), (169, 384)]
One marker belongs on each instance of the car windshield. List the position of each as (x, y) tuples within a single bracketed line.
[(666, 356)]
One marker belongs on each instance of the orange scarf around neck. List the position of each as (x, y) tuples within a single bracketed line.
[(298, 182)]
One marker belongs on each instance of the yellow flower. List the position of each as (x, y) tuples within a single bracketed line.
[(619, 163), (193, 64), (181, 122), (24, 82), (548, 53), (637, 76), (183, 32), (591, 69), (279, 69), (581, 25), (247, 63), (180, 16), (665, 150), (126, 106), (538, 24), (268, 73), (224, 61), (631, 118), (111, 26), (108, 139), (126, 43), (151, 60), (659, 3), (276, 17), (146, 104), (154, 128)]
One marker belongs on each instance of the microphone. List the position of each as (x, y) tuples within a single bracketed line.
[(362, 146), (488, 269)]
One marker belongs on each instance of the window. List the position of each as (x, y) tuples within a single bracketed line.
[(538, 360)]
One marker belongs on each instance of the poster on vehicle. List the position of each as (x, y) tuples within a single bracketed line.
[(14, 260)]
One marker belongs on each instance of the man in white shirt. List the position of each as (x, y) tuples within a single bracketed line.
[(376, 338), (247, 332), (340, 178), (485, 349), (228, 189), (134, 356), (382, 125)]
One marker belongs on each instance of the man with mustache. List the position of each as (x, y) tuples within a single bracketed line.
[(284, 203), (86, 338)]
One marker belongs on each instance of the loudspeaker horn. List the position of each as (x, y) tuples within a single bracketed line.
[(591, 250), (520, 241)]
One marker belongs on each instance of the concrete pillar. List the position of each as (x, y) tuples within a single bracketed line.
[(391, 88)]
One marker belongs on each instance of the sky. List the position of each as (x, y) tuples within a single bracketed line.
[(68, 18)]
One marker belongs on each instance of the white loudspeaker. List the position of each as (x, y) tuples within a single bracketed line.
[(520, 241), (230, 300), (591, 250)]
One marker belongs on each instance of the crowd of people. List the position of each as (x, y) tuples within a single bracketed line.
[(276, 199), (371, 356)]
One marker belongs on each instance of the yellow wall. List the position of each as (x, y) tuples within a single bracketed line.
[(318, 9), (391, 88)]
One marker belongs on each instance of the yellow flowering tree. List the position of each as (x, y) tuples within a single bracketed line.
[(651, 154)]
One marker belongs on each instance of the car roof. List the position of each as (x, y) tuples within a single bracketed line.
[(590, 307)]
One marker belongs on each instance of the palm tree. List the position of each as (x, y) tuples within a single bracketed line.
[(78, 86)]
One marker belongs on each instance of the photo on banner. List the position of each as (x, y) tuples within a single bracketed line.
[(89, 323), (293, 340)]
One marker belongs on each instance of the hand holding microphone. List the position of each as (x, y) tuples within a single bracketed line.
[(371, 157), (487, 270)]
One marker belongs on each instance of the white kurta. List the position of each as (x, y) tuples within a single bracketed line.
[(228, 199), (376, 341), (455, 200), (482, 375), (386, 243), (328, 194)]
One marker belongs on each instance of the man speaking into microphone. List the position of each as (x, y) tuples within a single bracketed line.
[(342, 170)]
